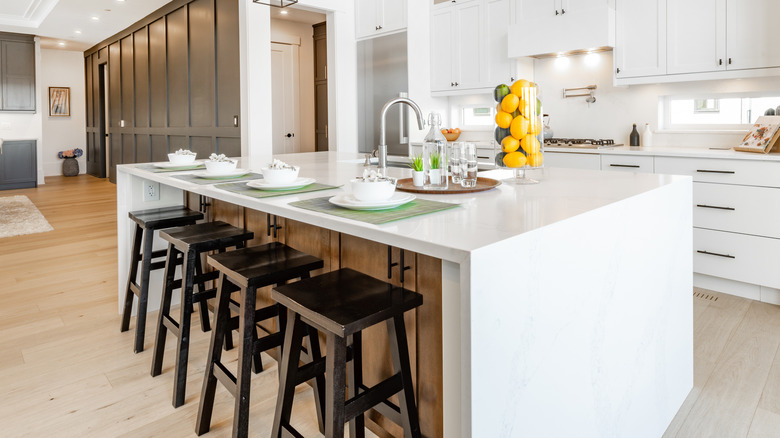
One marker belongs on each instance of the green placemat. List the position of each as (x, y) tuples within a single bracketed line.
[(243, 189), (214, 180), (155, 169), (417, 207)]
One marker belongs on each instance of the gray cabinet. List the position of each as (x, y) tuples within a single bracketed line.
[(17, 73), (18, 166)]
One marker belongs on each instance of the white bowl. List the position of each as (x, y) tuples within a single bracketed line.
[(181, 159), (369, 191), (280, 176), (220, 166)]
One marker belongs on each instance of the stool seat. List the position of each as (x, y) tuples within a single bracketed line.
[(264, 265), (166, 217), (346, 300), (204, 237)]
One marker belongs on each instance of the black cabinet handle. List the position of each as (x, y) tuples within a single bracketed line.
[(556, 12), (720, 61), (625, 165), (290, 135), (729, 61), (617, 70), (730, 172), (391, 264), (563, 11), (271, 226), (716, 254), (715, 207), (456, 84)]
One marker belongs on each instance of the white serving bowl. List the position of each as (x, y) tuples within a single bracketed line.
[(280, 176), (181, 159), (369, 191), (220, 166)]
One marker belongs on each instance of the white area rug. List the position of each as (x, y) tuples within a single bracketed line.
[(18, 216)]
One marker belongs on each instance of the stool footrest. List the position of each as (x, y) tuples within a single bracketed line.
[(310, 371), (157, 265), (207, 294), (225, 377), (386, 408), (171, 325), (134, 288), (269, 342), (372, 396)]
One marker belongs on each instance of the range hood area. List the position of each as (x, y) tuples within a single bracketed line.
[(588, 29)]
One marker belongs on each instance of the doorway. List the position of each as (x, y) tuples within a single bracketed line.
[(285, 75), (97, 158)]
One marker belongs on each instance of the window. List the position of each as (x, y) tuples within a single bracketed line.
[(478, 116), (717, 112)]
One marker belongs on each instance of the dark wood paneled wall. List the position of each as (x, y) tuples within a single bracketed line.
[(173, 82)]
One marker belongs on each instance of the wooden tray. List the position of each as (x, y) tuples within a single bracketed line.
[(405, 185)]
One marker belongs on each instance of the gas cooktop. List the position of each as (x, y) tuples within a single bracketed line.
[(581, 143)]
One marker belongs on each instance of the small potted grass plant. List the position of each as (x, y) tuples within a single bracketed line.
[(435, 172), (418, 175)]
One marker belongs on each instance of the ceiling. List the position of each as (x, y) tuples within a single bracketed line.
[(80, 24)]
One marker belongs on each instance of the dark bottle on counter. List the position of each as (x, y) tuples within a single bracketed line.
[(634, 137)]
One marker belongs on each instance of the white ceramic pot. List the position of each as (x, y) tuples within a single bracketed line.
[(280, 176), (418, 178), (181, 159), (369, 191), (220, 166), (435, 176)]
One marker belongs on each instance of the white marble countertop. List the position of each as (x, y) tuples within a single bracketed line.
[(483, 219), (672, 151)]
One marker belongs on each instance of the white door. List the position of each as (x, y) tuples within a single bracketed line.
[(640, 40), (696, 38), (285, 104), (751, 34)]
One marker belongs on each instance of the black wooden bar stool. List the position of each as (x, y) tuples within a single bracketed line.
[(249, 269), (189, 242), (341, 304), (146, 222)]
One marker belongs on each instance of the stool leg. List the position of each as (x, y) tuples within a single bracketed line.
[(183, 348), (203, 306), (135, 257), (357, 426), (221, 317), (257, 356), (293, 338), (246, 336), (319, 381), (143, 296), (165, 310), (396, 331), (335, 374)]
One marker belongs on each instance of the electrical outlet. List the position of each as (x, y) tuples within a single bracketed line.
[(151, 191)]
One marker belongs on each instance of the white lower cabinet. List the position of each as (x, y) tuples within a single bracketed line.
[(572, 160), (627, 163), (738, 209), (740, 257)]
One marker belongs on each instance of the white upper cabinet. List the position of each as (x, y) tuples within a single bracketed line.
[(640, 39), (752, 37), (469, 46), (379, 17), (442, 51), (552, 26), (696, 36), (501, 68)]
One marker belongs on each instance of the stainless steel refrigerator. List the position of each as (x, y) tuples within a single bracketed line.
[(382, 75)]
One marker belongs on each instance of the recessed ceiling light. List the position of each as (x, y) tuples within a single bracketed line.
[(61, 44), (283, 12), (95, 18), (77, 32)]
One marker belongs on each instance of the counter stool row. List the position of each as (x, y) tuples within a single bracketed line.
[(339, 304)]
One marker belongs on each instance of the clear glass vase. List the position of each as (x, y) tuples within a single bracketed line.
[(519, 133), (435, 156)]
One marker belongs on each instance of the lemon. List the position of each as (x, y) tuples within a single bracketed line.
[(517, 87), (503, 119), (530, 144), (534, 126), (509, 144), (498, 108), (519, 127), (510, 102), (514, 159), (536, 159)]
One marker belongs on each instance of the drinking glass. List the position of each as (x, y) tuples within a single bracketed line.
[(468, 165), (456, 154)]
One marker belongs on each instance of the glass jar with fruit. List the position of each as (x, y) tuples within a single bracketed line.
[(519, 129)]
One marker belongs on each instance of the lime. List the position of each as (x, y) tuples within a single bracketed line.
[(500, 133), (499, 92)]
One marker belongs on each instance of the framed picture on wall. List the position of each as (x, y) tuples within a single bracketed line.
[(59, 101)]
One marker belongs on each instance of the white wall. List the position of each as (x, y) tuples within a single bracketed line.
[(62, 68), (288, 32), (26, 126), (616, 108)]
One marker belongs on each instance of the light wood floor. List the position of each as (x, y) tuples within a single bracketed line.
[(66, 371)]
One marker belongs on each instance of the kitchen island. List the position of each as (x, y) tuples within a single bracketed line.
[(565, 307)]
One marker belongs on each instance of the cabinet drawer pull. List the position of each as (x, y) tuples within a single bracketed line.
[(715, 207), (730, 172), (715, 254), (391, 264), (636, 166), (484, 158), (272, 226)]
